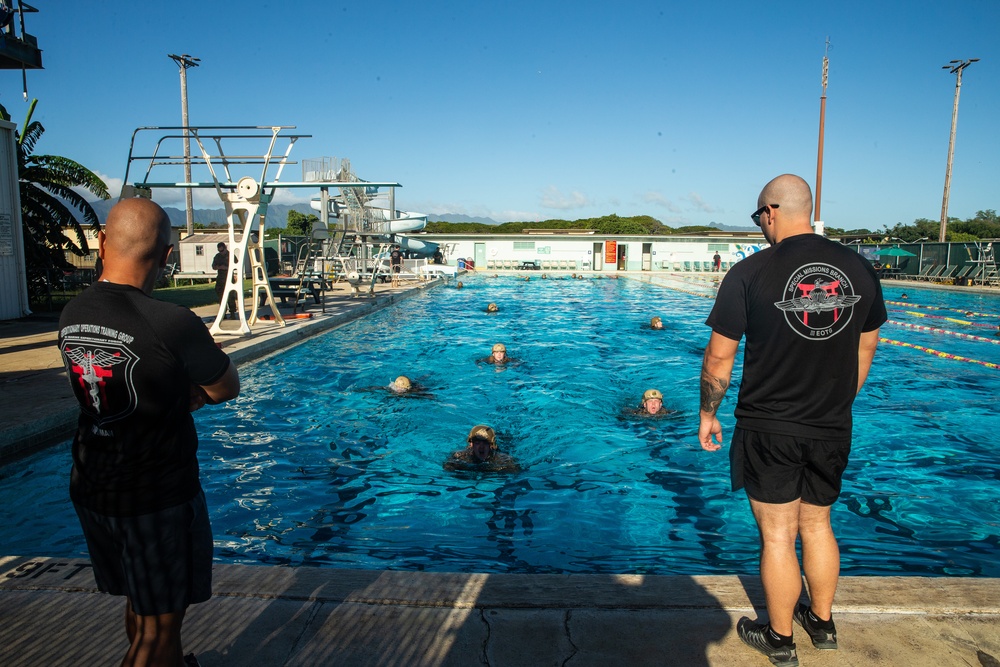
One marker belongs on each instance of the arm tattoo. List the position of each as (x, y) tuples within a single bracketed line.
[(712, 391)]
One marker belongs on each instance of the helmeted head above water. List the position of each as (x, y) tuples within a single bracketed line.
[(492, 308), (652, 401), (482, 441), (656, 323), (401, 384), (499, 353), (484, 432)]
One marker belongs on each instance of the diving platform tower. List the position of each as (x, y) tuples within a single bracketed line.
[(243, 164)]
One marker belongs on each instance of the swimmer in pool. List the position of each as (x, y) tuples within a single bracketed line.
[(481, 454), (404, 386), (492, 308), (656, 323), (400, 385), (459, 285), (498, 355), (651, 406)]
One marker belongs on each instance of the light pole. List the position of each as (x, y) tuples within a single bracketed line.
[(955, 67), (185, 61), (819, 152)]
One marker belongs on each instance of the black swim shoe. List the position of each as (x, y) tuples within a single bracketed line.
[(825, 639), (754, 635)]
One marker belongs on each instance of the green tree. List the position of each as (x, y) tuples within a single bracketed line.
[(50, 205), (300, 224)]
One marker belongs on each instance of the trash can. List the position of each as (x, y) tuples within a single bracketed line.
[(461, 263)]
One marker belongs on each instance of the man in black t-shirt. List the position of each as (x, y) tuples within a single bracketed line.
[(810, 310), (395, 264), (139, 367), (220, 264)]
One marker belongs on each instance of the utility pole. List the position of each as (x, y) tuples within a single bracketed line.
[(955, 67), (184, 62), (818, 226)]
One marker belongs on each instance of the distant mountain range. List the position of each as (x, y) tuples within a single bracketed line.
[(277, 214), (454, 217)]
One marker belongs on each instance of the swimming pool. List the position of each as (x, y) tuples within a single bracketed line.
[(317, 464)]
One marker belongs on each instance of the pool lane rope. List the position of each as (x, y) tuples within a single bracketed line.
[(956, 310), (938, 353), (678, 289), (920, 327), (942, 317)]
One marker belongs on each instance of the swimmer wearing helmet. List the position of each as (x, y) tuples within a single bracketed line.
[(498, 355), (400, 385), (656, 323), (492, 308), (481, 454), (404, 386), (651, 406)]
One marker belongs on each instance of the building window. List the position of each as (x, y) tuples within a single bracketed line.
[(718, 246), (524, 245), (199, 251)]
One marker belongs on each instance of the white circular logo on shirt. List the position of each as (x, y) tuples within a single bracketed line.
[(819, 301)]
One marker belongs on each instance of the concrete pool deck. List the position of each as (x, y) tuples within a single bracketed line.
[(51, 614)]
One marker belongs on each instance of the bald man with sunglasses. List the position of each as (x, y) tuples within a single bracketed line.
[(810, 310)]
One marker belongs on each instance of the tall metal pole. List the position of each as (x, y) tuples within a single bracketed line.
[(184, 62), (955, 67), (822, 121)]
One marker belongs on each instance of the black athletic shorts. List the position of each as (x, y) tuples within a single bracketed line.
[(161, 561), (782, 468), (397, 268)]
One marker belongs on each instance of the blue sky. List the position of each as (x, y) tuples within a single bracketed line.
[(536, 110)]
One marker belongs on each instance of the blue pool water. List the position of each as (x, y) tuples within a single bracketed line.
[(317, 464)]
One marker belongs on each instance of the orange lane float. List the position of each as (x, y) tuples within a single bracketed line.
[(295, 316)]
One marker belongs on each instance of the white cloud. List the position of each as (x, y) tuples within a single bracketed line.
[(700, 204), (114, 186), (552, 197), (658, 199)]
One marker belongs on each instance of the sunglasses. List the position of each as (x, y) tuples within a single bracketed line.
[(755, 216)]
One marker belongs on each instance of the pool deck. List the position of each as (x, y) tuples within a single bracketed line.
[(51, 614)]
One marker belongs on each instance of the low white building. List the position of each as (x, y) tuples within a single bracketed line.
[(586, 251), (197, 250)]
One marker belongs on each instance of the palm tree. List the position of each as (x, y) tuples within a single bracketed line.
[(50, 205)]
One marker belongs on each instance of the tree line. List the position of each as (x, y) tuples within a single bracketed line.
[(984, 225)]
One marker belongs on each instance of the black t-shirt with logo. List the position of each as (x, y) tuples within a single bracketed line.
[(802, 305), (131, 361)]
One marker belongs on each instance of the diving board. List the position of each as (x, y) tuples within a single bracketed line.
[(245, 196)]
